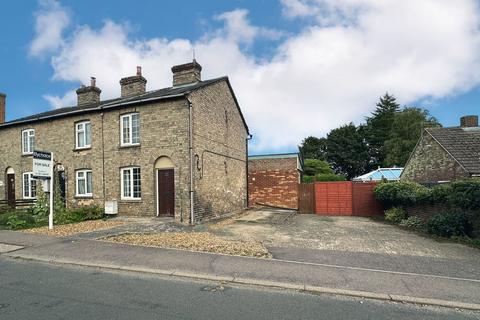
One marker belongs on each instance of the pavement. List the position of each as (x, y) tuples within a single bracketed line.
[(314, 277), (33, 290)]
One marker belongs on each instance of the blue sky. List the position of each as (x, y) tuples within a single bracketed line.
[(299, 67)]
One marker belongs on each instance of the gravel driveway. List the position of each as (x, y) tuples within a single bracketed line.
[(284, 228)]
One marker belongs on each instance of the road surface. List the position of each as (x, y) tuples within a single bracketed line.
[(32, 290)]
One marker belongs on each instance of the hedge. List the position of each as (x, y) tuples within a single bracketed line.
[(401, 194), (464, 194)]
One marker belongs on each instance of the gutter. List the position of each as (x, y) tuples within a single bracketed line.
[(99, 108), (249, 137), (190, 151)]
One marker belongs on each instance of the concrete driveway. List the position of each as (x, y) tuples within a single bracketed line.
[(285, 228)]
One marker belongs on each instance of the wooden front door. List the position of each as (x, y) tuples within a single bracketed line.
[(165, 192), (11, 189)]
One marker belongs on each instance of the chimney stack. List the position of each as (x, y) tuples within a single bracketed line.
[(3, 98), (134, 85), (187, 73), (469, 121), (88, 95)]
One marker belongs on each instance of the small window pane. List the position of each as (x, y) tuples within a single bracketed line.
[(137, 189), (135, 128), (81, 139), (126, 183), (126, 129), (89, 182), (88, 137)]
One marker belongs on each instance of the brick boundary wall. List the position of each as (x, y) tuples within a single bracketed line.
[(273, 182)]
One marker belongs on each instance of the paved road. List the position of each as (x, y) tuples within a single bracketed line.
[(30, 290)]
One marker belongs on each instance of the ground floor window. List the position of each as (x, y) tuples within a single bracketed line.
[(29, 186), (131, 183), (84, 183)]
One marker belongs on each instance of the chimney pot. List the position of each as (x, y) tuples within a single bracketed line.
[(187, 73), (134, 85), (469, 121), (3, 98), (93, 81)]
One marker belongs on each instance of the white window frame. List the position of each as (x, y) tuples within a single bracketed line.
[(128, 141), (85, 173), (30, 146), (80, 127), (29, 193), (122, 184)]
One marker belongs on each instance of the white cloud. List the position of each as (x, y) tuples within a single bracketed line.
[(68, 99), (331, 72), (50, 22)]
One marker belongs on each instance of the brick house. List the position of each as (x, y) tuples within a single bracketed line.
[(273, 179), (446, 154), (180, 151)]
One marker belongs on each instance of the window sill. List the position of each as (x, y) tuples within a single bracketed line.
[(27, 154), (83, 197), (130, 200), (125, 146), (81, 149)]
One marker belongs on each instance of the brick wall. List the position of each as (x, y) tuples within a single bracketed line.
[(430, 163), (219, 145), (273, 182), (163, 132)]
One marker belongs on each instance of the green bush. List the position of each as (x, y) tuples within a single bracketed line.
[(329, 177), (308, 179), (78, 214), (395, 215), (440, 193), (465, 194), (412, 222), (448, 224), (401, 193), (14, 222)]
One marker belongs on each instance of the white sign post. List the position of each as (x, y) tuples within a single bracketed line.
[(43, 169)]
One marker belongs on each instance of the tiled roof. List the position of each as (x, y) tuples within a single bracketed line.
[(462, 143), (165, 93)]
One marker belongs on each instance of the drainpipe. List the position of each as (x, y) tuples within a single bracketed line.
[(249, 137), (190, 149)]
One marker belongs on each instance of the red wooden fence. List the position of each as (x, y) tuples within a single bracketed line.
[(339, 198)]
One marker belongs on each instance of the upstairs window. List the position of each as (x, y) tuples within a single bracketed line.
[(131, 183), (83, 135), (84, 183), (29, 186), (130, 129), (28, 141)]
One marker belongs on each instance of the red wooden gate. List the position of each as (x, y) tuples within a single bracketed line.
[(339, 198)]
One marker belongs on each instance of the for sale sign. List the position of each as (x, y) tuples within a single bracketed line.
[(42, 165)]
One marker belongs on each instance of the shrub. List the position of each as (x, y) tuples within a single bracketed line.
[(395, 215), (465, 194), (439, 194), (448, 224), (78, 214), (308, 179), (14, 222), (412, 222), (401, 193), (329, 177)]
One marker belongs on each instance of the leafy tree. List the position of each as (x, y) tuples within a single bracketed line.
[(406, 130), (312, 167), (313, 148), (378, 127), (347, 151)]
